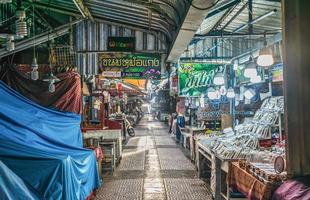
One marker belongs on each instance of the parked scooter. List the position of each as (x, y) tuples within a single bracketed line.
[(130, 130)]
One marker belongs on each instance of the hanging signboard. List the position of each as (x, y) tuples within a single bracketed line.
[(277, 72), (121, 44), (242, 80), (130, 66), (195, 78)]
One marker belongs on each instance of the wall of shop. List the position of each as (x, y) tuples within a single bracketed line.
[(92, 37)]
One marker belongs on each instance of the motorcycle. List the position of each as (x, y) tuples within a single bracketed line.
[(130, 130)]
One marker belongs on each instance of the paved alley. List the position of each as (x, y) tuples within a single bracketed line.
[(153, 167)]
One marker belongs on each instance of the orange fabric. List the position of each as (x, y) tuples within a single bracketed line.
[(138, 83)]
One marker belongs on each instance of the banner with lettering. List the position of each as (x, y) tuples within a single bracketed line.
[(195, 78), (130, 66), (277, 72)]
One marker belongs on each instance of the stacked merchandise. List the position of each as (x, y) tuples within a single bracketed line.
[(245, 140), (255, 142)]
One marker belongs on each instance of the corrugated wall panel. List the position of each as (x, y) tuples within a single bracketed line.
[(150, 42), (92, 37), (139, 40), (127, 32)]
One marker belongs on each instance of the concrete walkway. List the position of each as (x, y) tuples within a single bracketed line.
[(153, 168)]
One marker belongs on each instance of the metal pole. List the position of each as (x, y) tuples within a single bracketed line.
[(250, 16)]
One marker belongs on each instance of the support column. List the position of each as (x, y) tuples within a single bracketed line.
[(296, 32)]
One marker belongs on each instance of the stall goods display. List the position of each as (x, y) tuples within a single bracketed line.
[(264, 172), (245, 139), (117, 116)]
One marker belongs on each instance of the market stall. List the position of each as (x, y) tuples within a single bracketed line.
[(259, 142)]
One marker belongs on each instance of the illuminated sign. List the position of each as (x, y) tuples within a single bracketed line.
[(195, 78), (133, 66), (121, 43)]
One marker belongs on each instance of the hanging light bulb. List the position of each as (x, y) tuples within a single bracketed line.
[(20, 24), (256, 79), (34, 67), (249, 93), (235, 66), (51, 79), (211, 93), (265, 57), (34, 64), (10, 45), (223, 90), (230, 93), (218, 95), (51, 86), (219, 79), (250, 69)]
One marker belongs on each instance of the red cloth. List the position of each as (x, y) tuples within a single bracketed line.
[(67, 96), (296, 189)]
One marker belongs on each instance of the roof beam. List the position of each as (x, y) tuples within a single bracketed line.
[(83, 9), (250, 23), (235, 16), (222, 7)]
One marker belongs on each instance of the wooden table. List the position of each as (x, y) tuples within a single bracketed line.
[(219, 168), (193, 131), (108, 134), (184, 138)]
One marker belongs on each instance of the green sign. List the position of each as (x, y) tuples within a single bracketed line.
[(195, 78), (134, 66), (121, 43)]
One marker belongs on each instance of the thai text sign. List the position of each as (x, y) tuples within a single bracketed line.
[(277, 72), (121, 43), (195, 78), (135, 66)]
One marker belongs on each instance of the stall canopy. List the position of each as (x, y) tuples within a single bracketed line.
[(136, 82), (43, 147)]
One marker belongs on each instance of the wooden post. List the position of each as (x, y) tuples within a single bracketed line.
[(296, 38)]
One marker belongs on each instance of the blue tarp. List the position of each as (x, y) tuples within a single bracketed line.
[(43, 147), (11, 182)]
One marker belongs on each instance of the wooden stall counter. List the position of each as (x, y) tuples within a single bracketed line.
[(249, 185)]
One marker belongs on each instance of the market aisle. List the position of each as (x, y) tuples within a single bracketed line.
[(153, 168)]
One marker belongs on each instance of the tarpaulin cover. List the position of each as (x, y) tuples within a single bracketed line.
[(11, 182), (67, 95), (43, 147)]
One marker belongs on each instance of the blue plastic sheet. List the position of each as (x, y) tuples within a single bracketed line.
[(43, 148), (11, 182)]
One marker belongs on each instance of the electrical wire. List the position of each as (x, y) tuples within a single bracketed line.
[(33, 28)]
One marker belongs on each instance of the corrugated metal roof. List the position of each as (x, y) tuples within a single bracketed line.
[(271, 23), (158, 15)]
